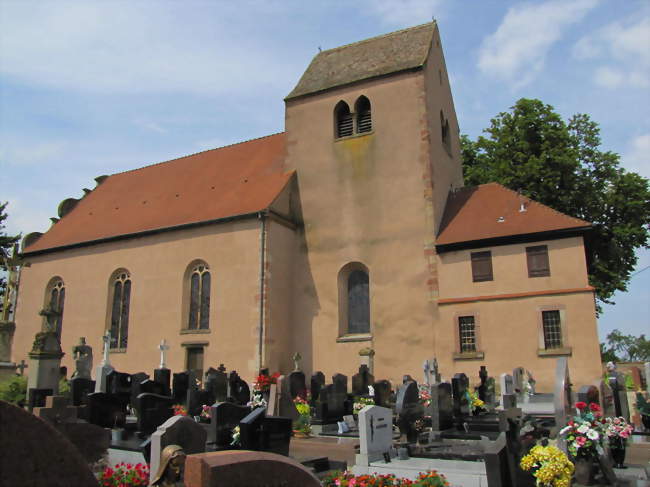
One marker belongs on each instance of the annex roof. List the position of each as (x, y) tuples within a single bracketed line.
[(378, 56), (492, 211), (234, 180)]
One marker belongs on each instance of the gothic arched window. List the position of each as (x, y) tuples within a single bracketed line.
[(344, 125), (364, 118), (199, 306), (354, 299), (120, 305)]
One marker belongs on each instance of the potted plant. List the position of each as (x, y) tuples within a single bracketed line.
[(618, 431), (643, 406), (302, 425), (126, 475), (584, 436), (549, 465)]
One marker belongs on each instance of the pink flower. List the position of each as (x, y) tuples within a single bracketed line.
[(581, 440)]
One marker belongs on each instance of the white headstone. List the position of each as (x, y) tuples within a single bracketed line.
[(375, 433), (104, 368), (177, 430)]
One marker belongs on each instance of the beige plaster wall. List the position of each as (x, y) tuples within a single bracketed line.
[(364, 199), (157, 264), (509, 334), (568, 269)]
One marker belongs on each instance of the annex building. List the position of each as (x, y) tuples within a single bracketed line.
[(350, 230)]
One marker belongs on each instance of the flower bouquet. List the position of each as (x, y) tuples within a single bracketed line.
[(347, 479), (126, 475), (584, 433), (617, 431), (549, 465), (360, 403), (263, 382), (302, 425), (476, 405), (424, 394), (205, 413), (179, 410)]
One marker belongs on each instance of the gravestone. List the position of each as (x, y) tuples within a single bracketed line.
[(317, 383), (297, 384), (606, 398), (518, 378), (361, 381), (224, 417), (105, 367), (273, 406), (238, 390), (459, 387), (441, 408), (152, 410), (37, 397), (265, 433), (490, 392), (246, 469), (79, 389), (408, 410), (136, 390), (194, 397), (177, 430), (119, 384), (180, 385), (375, 434), (563, 397), (382, 393), (82, 355), (589, 394), (106, 410), (338, 396), (57, 410), (221, 384), (508, 396), (162, 374), (285, 406), (210, 385), (481, 390), (153, 387)]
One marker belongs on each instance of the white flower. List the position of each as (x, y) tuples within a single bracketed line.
[(565, 429), (592, 434), (583, 428)]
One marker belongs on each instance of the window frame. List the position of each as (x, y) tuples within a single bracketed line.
[(476, 258), (477, 353), (340, 110), (344, 274), (186, 297), (122, 276), (358, 112), (533, 254), (566, 348)]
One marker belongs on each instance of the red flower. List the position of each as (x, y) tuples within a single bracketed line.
[(581, 405), (594, 407)]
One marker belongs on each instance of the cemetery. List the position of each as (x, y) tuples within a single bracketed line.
[(173, 428)]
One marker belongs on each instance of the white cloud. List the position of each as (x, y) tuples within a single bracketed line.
[(405, 13), (622, 50), (637, 157), (517, 50), (131, 47)]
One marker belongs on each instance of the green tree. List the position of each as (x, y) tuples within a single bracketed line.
[(608, 354), (560, 164), (628, 347)]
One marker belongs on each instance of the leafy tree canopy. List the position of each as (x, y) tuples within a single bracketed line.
[(6, 244), (625, 348), (560, 164)]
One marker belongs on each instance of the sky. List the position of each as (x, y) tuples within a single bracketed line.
[(98, 87)]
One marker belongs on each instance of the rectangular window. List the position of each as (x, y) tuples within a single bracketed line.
[(195, 361), (537, 258), (467, 334), (552, 329), (482, 266)]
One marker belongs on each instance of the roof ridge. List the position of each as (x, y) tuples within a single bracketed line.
[(196, 153), (542, 205), (370, 39)]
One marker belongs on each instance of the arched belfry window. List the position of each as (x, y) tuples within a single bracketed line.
[(344, 124), (364, 118), (120, 306), (354, 299), (444, 132), (199, 308), (54, 303)]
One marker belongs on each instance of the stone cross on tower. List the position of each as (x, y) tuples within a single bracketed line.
[(296, 358), (106, 338), (163, 347)]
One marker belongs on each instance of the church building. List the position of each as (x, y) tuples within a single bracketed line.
[(349, 232)]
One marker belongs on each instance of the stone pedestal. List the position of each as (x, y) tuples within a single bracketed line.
[(367, 358), (7, 367), (101, 373), (44, 362)]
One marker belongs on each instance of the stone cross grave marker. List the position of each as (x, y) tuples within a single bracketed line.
[(646, 369), (375, 434), (163, 347), (177, 430), (104, 368)]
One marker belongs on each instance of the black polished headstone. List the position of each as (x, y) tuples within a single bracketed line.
[(297, 384), (136, 380), (238, 390), (361, 381), (152, 387), (163, 376), (152, 410), (265, 433), (223, 419), (459, 386), (482, 389), (79, 389), (119, 384), (442, 412), (409, 409), (337, 397), (36, 397), (180, 385), (317, 383), (106, 410), (382, 393)]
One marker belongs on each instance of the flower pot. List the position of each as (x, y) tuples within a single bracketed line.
[(617, 447), (300, 434), (584, 471)]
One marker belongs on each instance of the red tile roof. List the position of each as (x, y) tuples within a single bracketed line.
[(493, 211), (229, 181)]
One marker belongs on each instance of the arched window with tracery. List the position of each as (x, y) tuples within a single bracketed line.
[(54, 304), (354, 299), (199, 306), (364, 118), (120, 307), (344, 125)]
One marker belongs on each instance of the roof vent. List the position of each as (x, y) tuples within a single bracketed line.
[(500, 219)]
